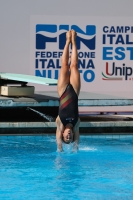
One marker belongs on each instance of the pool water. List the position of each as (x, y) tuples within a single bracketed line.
[(32, 169)]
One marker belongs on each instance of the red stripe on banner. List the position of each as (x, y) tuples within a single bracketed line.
[(112, 79), (66, 103)]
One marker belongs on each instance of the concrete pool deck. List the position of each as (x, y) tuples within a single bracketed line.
[(91, 106), (89, 125), (48, 99)]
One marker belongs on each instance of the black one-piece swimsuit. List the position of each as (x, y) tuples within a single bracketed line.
[(68, 108)]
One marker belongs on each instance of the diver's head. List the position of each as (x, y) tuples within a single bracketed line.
[(67, 135)]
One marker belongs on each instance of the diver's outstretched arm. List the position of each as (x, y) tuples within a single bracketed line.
[(76, 136), (59, 135)]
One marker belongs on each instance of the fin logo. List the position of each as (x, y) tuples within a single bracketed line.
[(51, 33)]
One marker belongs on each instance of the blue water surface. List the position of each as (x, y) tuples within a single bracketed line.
[(32, 169)]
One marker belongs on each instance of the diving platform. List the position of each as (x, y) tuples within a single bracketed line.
[(23, 79)]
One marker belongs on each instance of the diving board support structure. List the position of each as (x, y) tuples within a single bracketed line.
[(20, 81)]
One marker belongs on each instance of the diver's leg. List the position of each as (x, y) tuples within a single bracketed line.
[(64, 77), (74, 75)]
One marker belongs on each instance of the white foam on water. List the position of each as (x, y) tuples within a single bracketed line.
[(68, 147), (86, 148)]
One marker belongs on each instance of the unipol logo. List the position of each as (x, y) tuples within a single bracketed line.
[(52, 33)]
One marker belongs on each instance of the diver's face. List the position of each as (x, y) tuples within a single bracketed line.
[(68, 135)]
